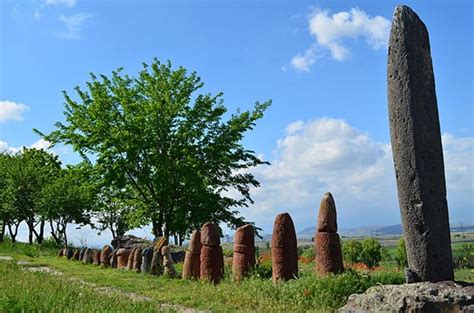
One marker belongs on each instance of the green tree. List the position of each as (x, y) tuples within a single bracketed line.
[(352, 251), (371, 252), (29, 171), (401, 254), (173, 150), (68, 198)]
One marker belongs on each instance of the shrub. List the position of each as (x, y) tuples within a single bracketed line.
[(352, 251), (371, 252), (308, 253), (401, 254), (464, 257)]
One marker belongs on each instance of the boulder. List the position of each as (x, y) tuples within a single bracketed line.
[(168, 263), (75, 255), (88, 257), (131, 259), (122, 258), (130, 242), (69, 253), (61, 253), (156, 267), (113, 259), (423, 297)]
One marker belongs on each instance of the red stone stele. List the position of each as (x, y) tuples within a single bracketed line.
[(105, 255), (137, 260), (284, 249), (122, 257), (192, 259), (212, 258), (326, 241), (244, 252)]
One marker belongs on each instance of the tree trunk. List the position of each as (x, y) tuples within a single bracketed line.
[(157, 229), (40, 236), (175, 236), (2, 230), (65, 235), (31, 229), (13, 233)]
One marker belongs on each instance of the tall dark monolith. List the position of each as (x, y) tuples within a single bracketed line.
[(284, 249), (417, 150)]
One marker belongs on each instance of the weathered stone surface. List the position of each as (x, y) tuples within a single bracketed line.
[(137, 260), (192, 261), (122, 258), (328, 253), (130, 242), (105, 255), (65, 252), (88, 256), (423, 297), (81, 254), (210, 235), (211, 257), (212, 263), (113, 259), (70, 253), (168, 263), (327, 217), (76, 255), (244, 252), (284, 249), (147, 255), (156, 267), (131, 259), (416, 147), (61, 253), (97, 257)]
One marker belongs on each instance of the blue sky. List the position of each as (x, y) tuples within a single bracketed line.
[(322, 63)]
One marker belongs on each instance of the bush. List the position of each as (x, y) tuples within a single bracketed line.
[(309, 253), (352, 251), (371, 252), (401, 254), (464, 256)]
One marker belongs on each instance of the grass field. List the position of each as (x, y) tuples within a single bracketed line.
[(308, 293), (24, 291)]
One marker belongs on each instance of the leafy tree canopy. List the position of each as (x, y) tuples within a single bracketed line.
[(172, 150)]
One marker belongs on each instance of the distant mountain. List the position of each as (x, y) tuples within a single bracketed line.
[(390, 230)]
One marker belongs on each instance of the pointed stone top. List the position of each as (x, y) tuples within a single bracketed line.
[(210, 235), (404, 15), (195, 242), (327, 218), (284, 233), (244, 235)]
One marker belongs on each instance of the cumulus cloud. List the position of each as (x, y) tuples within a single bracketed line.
[(10, 110), (73, 25), (330, 155), (68, 3), (331, 32), (40, 144)]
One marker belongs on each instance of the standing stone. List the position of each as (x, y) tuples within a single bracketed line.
[(137, 260), (168, 263), (326, 241), (244, 252), (147, 256), (131, 259), (156, 267), (65, 252), (113, 259), (122, 258), (284, 249), (97, 257), (88, 256), (105, 256), (81, 254), (70, 253), (75, 255), (417, 150), (192, 259), (61, 253), (212, 258)]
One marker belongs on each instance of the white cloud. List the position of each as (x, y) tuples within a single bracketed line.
[(68, 3), (40, 144), (332, 31), (10, 110), (74, 24), (330, 155)]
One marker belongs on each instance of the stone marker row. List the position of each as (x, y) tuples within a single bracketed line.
[(204, 258)]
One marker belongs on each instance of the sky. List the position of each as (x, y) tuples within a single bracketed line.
[(322, 63)]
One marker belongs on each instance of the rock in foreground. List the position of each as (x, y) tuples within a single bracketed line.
[(423, 297)]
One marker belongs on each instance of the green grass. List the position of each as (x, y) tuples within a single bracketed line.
[(308, 293), (39, 292)]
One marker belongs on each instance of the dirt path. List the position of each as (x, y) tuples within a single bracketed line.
[(31, 267)]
